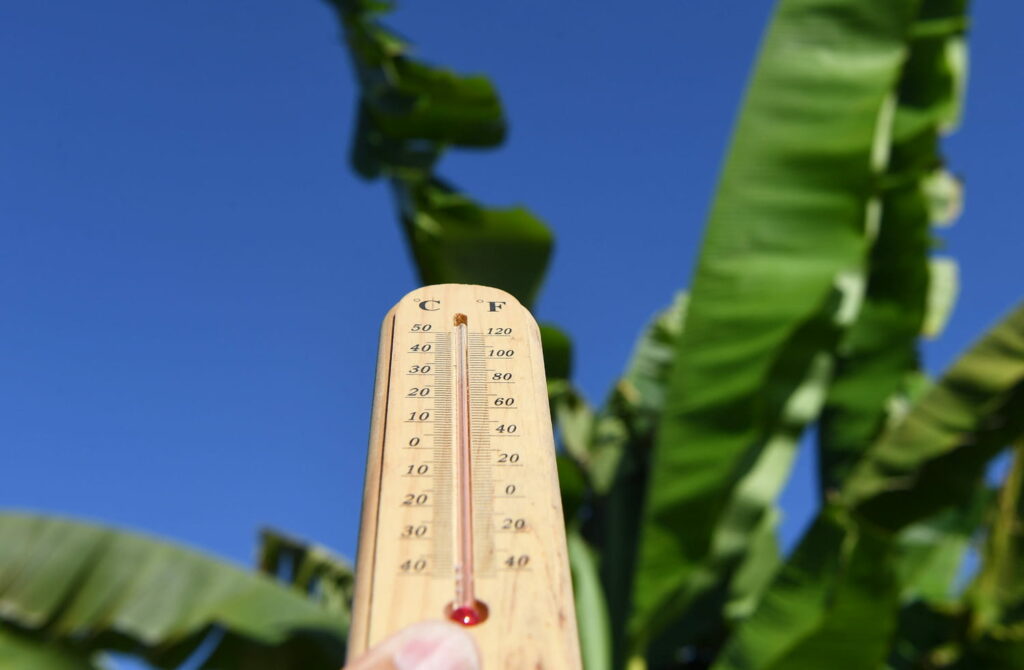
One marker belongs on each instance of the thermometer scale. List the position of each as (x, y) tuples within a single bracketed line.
[(462, 517)]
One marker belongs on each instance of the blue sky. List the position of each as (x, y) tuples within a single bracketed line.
[(192, 279)]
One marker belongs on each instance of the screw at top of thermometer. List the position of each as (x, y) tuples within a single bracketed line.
[(466, 609)]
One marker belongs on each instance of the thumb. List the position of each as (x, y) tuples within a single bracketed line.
[(429, 645)]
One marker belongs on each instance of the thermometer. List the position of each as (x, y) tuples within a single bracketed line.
[(462, 517)]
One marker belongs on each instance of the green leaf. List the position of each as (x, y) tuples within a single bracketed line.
[(833, 605), (930, 462), (409, 114), (409, 111), (573, 418), (374, 153), (934, 618), (425, 103), (313, 569), (904, 294), (779, 277), (609, 449), (591, 609), (934, 457), (640, 394), (573, 486), (598, 441), (557, 352), (879, 352), (931, 552), (93, 587), (711, 594), (455, 240), (934, 91), (20, 651), (595, 443)]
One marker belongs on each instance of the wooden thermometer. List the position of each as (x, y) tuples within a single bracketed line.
[(461, 512)]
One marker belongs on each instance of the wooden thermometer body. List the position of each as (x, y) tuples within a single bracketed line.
[(461, 512)]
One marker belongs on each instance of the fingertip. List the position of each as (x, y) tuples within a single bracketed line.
[(436, 645)]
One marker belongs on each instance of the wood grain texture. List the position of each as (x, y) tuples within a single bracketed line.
[(408, 546)]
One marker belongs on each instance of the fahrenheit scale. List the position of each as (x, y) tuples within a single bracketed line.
[(461, 512)]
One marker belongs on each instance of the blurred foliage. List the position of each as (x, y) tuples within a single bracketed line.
[(311, 569), (815, 284), (409, 113), (76, 589)]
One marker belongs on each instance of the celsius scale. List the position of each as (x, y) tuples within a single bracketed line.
[(462, 518)]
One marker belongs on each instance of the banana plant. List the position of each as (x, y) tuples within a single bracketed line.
[(815, 284)]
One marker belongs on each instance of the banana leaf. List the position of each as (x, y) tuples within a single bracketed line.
[(932, 551), (409, 113), (599, 440), (833, 604), (603, 467), (591, 608), (456, 240), (312, 569), (623, 435), (906, 292), (931, 462), (557, 349), (640, 395), (90, 588), (935, 456), (780, 277), (934, 619)]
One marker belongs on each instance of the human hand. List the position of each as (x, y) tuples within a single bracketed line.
[(428, 645)]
